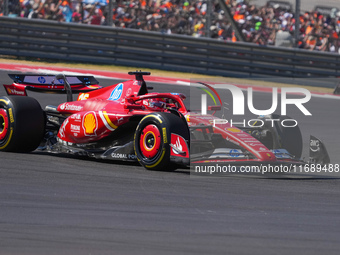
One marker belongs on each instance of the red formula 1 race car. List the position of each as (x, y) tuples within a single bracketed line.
[(126, 122)]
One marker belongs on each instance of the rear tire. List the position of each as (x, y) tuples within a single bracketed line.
[(22, 124)]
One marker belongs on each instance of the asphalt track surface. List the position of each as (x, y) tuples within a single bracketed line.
[(52, 204)]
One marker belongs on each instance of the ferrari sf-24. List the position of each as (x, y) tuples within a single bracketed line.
[(127, 122)]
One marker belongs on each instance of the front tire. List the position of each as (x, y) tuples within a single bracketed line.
[(152, 139), (22, 124)]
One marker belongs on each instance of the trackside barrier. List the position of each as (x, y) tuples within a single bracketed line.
[(116, 46)]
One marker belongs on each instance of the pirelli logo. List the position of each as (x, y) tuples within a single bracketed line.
[(11, 115), (165, 136)]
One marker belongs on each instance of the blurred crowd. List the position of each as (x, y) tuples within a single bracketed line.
[(259, 25)]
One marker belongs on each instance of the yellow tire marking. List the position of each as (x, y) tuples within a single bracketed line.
[(9, 139), (4, 124), (156, 117), (159, 161), (3, 100)]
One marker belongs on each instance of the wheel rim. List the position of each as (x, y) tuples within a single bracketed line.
[(3, 124), (150, 141)]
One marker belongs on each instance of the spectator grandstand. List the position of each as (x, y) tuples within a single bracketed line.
[(261, 25)]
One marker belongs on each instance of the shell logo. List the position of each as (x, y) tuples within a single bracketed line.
[(90, 124)]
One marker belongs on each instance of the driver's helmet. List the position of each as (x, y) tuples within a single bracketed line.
[(155, 103)]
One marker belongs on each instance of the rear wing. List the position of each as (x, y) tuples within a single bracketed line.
[(49, 84)]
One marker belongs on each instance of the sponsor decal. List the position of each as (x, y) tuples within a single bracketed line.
[(254, 144), (70, 107), (117, 92), (281, 153), (132, 156), (123, 156), (128, 92), (119, 155), (11, 118), (165, 139), (250, 140), (62, 129), (41, 79), (15, 92), (83, 96), (76, 117), (234, 130), (234, 153), (139, 83), (90, 124), (75, 128), (243, 135), (205, 117), (314, 145)]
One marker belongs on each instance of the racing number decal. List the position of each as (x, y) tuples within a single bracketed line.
[(83, 96)]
